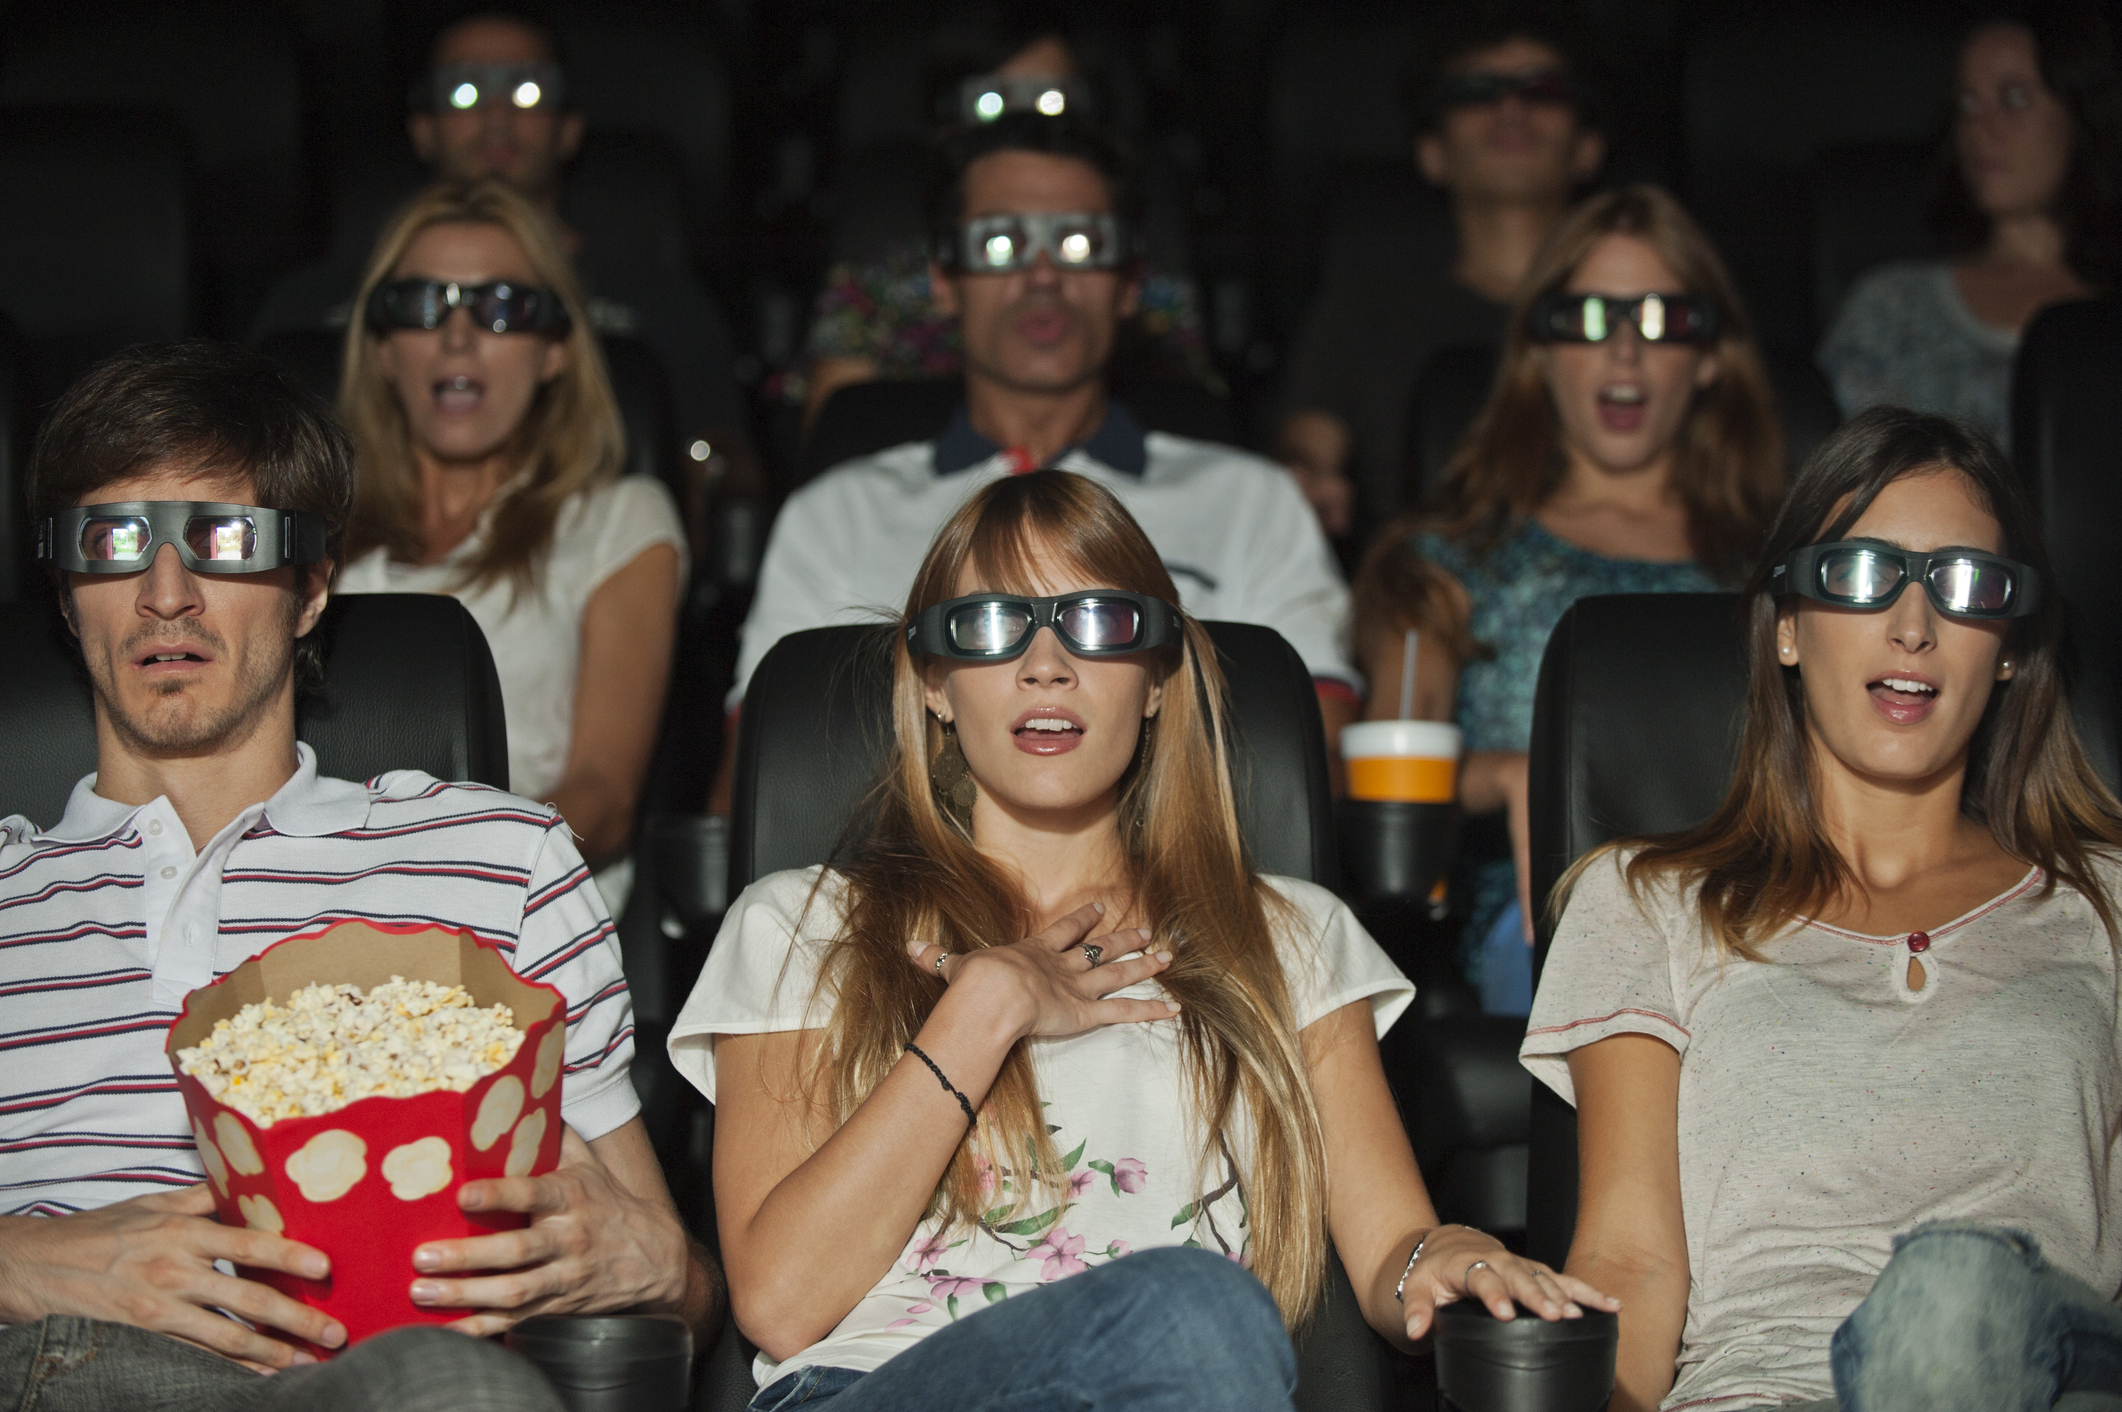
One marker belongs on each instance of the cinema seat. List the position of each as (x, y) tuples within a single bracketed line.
[(408, 685)]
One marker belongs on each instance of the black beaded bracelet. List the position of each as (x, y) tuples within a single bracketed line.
[(948, 1087)]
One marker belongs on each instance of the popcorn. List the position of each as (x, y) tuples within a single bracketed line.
[(331, 1045)]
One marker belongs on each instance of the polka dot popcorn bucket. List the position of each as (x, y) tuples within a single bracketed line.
[(369, 1182)]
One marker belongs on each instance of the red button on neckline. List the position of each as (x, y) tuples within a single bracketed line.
[(1919, 942)]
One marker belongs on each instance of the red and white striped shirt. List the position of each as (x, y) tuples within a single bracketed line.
[(108, 919)]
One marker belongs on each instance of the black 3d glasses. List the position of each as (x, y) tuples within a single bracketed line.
[(1862, 573), (1594, 318), (209, 536), (1476, 87), (986, 97), (457, 87), (994, 627), (1073, 240), (499, 307)]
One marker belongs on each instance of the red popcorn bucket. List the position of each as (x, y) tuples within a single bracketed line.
[(369, 1182)]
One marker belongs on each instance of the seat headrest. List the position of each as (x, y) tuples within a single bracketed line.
[(816, 730), (408, 685)]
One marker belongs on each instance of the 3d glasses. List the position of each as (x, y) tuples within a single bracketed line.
[(210, 537), (994, 627), (1476, 87), (500, 307), (1073, 240), (1594, 318), (986, 97), (457, 87), (1859, 573)]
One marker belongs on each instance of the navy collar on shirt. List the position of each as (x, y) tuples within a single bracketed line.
[(1118, 443)]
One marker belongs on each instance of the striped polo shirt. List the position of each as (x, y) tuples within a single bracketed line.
[(110, 918)]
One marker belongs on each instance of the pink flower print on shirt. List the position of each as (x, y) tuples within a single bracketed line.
[(951, 1286), (1117, 1249), (928, 1252), (986, 1171), (1129, 1175), (1061, 1252), (1080, 1183), (915, 1309)]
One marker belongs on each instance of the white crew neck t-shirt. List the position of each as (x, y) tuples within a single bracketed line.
[(1825, 1107), (1113, 1097)]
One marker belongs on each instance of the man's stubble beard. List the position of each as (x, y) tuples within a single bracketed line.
[(258, 681)]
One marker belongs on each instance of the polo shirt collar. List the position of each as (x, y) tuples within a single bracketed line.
[(309, 805), (1118, 444)]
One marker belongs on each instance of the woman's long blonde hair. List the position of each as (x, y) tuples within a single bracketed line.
[(572, 437), (916, 873)]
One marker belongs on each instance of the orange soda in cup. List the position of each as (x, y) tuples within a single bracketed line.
[(1412, 762)]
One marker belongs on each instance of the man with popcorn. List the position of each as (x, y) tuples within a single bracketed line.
[(189, 502)]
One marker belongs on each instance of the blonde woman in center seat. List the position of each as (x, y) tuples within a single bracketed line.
[(999, 1090), (489, 469)]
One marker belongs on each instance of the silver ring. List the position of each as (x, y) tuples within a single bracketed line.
[(941, 957), (1092, 953), (1477, 1265)]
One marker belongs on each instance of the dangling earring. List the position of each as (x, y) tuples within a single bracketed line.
[(952, 779)]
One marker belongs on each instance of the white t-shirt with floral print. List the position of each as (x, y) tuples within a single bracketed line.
[(1114, 1100)]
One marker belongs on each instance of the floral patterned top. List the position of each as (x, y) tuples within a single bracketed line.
[(1520, 588), (1138, 1173)]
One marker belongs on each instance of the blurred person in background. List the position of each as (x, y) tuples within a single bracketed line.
[(2031, 194), (1034, 220), (1506, 132), (489, 450), (874, 318), (493, 102), (1630, 446)]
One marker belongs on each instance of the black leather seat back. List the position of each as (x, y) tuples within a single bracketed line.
[(2067, 441), (408, 685), (863, 418), (14, 451), (815, 732), (1635, 723)]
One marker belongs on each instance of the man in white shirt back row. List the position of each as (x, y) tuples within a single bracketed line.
[(1034, 254), (215, 497)]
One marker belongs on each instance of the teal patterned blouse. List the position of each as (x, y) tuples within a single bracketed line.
[(1519, 589)]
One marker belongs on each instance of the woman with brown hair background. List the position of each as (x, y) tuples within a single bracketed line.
[(1845, 1056), (1630, 445), (1042, 1015), (489, 445)]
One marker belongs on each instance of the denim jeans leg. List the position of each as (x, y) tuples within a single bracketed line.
[(415, 1370), (1967, 1316), (1168, 1330)]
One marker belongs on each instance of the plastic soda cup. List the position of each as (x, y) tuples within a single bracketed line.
[(1412, 762)]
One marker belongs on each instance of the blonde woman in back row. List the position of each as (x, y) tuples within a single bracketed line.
[(1011, 1098), (489, 447)]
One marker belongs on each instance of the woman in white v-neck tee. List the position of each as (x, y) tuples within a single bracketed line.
[(1845, 1056), (1039, 1096), (489, 446)]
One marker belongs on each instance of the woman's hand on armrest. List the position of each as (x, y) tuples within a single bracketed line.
[(1378, 1208), (1630, 1237)]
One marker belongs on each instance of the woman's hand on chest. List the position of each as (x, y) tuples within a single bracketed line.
[(1059, 981)]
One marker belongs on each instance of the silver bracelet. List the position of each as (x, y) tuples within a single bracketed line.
[(1400, 1289)]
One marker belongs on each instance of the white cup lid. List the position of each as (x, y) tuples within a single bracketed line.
[(1424, 739)]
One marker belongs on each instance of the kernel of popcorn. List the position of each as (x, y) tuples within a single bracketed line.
[(259, 1213), (497, 1111), (523, 1147), (418, 1168), (331, 1045), (328, 1165), (236, 1145), (551, 1050), (210, 1155)]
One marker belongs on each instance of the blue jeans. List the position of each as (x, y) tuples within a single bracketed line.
[(1969, 1318), (70, 1364), (1167, 1330), (1507, 966)]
